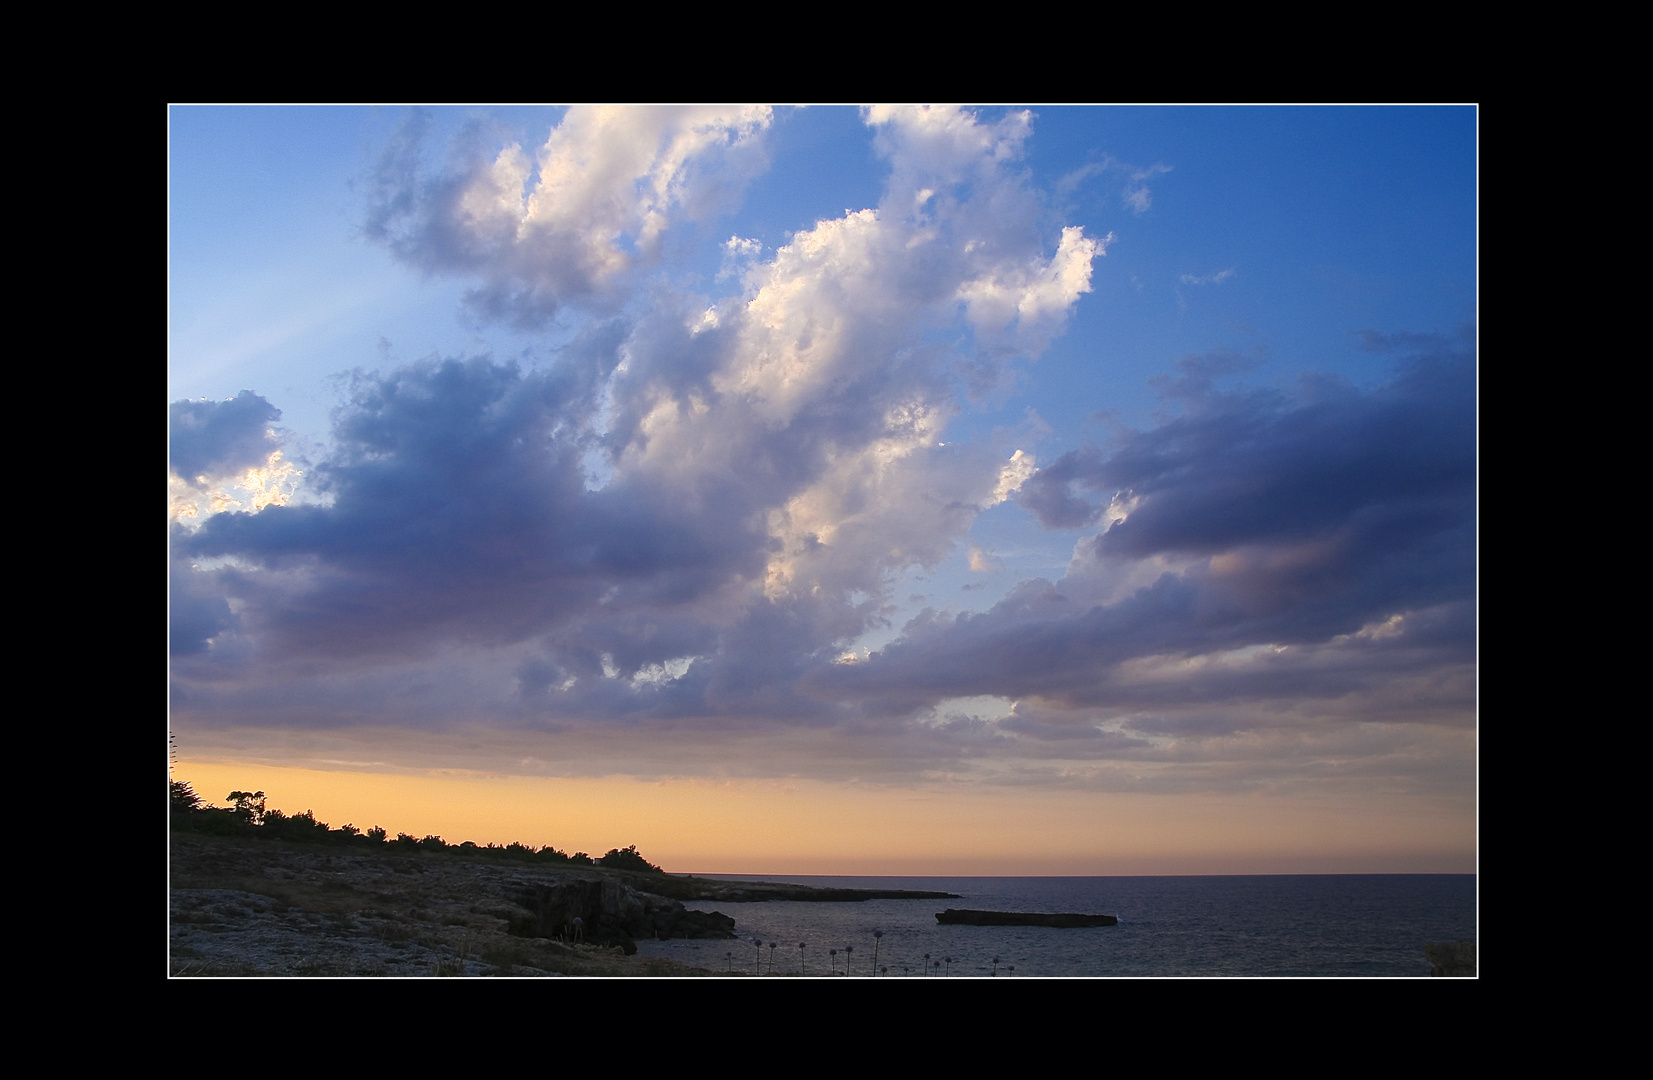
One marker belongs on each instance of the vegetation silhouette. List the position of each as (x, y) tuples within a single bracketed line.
[(247, 815)]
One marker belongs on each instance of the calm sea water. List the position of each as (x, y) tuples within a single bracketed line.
[(1338, 925)]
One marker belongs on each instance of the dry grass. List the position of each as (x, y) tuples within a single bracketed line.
[(365, 915)]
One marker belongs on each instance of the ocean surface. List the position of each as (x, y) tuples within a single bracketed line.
[(1283, 926)]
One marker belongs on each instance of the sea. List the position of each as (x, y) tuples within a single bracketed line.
[(1273, 926)]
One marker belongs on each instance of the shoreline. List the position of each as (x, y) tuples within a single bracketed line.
[(256, 907)]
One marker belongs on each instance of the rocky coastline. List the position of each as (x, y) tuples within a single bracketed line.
[(255, 907)]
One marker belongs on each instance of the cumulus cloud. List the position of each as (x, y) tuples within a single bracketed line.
[(685, 521), (768, 465), (563, 225), (215, 438), (216, 448), (459, 510)]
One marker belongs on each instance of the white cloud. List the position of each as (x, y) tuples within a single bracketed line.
[(566, 225), (712, 490), (660, 674), (1034, 296), (1015, 473), (820, 390)]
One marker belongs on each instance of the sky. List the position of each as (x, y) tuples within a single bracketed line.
[(896, 490)]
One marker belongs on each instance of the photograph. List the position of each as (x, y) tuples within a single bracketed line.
[(822, 541)]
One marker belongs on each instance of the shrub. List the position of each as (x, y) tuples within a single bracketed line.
[(628, 859), (217, 822)]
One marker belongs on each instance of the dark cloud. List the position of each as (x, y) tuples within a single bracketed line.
[(213, 438), (1258, 468), (1095, 739), (458, 515), (1050, 491), (1382, 469), (1197, 375), (195, 613), (1296, 523), (429, 220), (458, 509)]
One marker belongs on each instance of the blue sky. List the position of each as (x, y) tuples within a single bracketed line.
[(1121, 451)]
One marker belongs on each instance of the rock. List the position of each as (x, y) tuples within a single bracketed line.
[(611, 913)]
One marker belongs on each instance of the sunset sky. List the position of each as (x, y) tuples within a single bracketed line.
[(1049, 490)]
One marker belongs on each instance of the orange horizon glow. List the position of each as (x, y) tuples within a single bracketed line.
[(808, 827)]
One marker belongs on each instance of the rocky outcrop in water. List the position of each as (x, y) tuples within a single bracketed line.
[(606, 911)]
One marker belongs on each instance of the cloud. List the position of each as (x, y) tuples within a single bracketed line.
[(215, 448), (659, 545), (983, 563), (1318, 547), (1209, 279), (1256, 469), (1135, 195), (196, 612), (691, 505), (215, 438), (566, 224), (1049, 492), (459, 510)]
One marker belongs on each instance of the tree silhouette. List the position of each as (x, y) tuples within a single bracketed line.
[(628, 859), (249, 804), (183, 799)]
